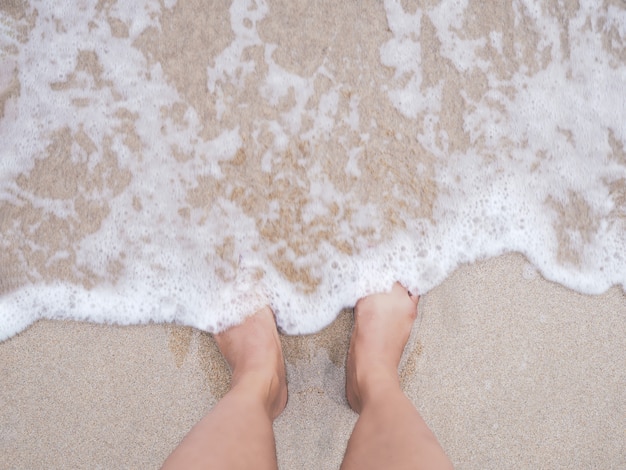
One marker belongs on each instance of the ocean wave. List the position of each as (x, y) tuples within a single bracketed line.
[(163, 164)]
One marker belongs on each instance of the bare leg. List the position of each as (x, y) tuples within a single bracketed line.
[(237, 432), (389, 433)]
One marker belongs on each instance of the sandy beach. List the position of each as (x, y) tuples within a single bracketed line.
[(509, 370), (166, 160)]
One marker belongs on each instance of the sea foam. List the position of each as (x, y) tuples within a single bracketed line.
[(160, 164)]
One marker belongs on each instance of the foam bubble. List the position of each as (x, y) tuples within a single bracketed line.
[(304, 190)]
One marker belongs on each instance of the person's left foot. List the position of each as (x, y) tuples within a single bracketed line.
[(254, 353)]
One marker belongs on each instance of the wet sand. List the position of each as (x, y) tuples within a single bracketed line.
[(510, 371)]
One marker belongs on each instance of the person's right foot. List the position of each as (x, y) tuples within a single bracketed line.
[(382, 325)]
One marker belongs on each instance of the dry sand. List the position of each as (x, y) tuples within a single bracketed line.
[(510, 371)]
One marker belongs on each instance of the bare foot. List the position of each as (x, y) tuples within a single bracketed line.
[(382, 325), (253, 351)]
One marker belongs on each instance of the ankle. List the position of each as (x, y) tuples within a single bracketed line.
[(375, 385), (262, 389), (377, 378)]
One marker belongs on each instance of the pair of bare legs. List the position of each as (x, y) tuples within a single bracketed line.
[(237, 433)]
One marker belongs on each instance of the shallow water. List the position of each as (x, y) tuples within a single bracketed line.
[(193, 161)]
